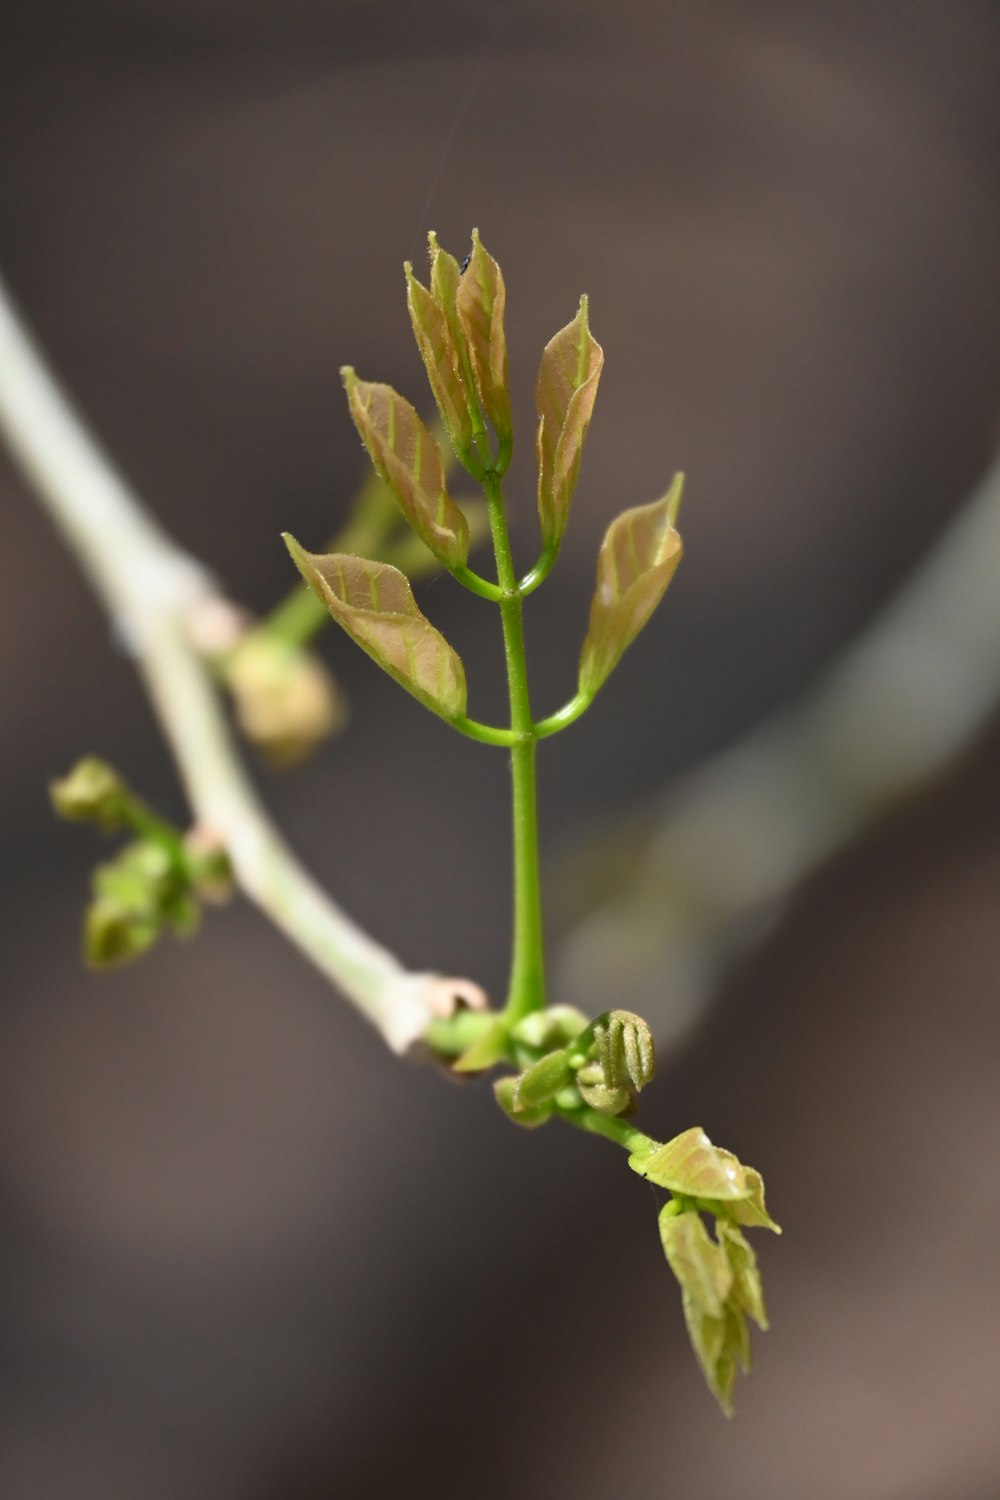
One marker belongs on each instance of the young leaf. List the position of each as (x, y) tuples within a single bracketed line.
[(750, 1211), (700, 1265), (479, 306), (543, 1080), (594, 1089), (564, 396), (505, 1091), (625, 1049), (691, 1165), (747, 1292), (408, 459), (436, 339), (374, 604), (637, 560)]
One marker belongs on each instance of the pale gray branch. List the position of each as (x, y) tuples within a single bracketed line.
[(153, 591)]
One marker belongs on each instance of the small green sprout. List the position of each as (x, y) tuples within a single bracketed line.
[(586, 1073), (155, 883)]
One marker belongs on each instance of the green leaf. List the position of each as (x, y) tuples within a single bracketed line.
[(434, 331), (564, 397), (485, 1052), (751, 1211), (542, 1081), (550, 1027), (747, 1291), (700, 1265), (721, 1345), (637, 560), (691, 1165), (374, 604), (595, 1090), (409, 461), (504, 1089), (479, 307)]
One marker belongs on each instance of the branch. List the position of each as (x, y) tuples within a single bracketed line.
[(156, 594)]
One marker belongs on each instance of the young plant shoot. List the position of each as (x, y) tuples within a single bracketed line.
[(565, 1067)]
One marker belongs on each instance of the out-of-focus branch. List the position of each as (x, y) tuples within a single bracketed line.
[(713, 863), (156, 595)]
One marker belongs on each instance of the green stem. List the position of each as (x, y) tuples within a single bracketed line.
[(487, 734), (526, 991), (612, 1127), (564, 716), (475, 584), (538, 574)]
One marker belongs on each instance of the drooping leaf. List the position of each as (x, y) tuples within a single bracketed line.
[(721, 1345), (408, 459), (436, 339), (751, 1212), (638, 558), (374, 604), (691, 1165), (700, 1265), (564, 396), (479, 306), (747, 1291)]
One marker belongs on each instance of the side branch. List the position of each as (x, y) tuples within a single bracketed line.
[(155, 594)]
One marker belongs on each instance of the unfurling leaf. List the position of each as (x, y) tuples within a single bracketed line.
[(504, 1089), (374, 604), (542, 1081), (437, 340), (408, 459), (625, 1049), (606, 1098), (638, 558), (700, 1265), (479, 306), (564, 396), (691, 1165)]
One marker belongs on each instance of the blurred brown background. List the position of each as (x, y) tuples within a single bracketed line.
[(247, 1255)]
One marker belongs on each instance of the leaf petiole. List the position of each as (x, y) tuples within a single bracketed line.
[(538, 574), (563, 717)]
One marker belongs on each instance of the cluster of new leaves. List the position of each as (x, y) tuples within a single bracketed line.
[(720, 1282), (600, 1066), (154, 884), (587, 1073), (458, 324)]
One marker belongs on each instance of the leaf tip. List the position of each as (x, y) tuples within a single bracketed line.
[(675, 495)]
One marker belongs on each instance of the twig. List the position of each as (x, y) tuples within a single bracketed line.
[(155, 593)]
